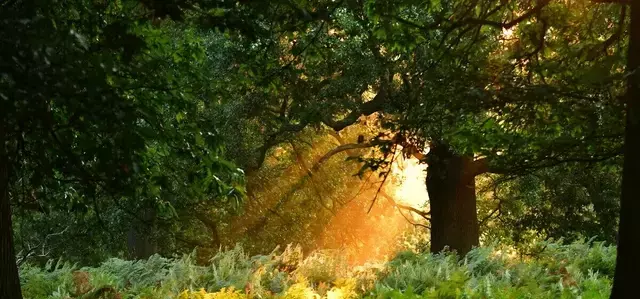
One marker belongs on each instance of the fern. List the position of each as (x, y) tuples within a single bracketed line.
[(581, 269)]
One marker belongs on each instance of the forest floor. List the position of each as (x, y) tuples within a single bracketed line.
[(577, 270)]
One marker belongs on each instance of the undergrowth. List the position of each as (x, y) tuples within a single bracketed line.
[(578, 270)]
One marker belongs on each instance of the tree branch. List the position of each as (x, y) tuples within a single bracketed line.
[(615, 36), (498, 210), (212, 225), (482, 165), (423, 214), (336, 135), (339, 149), (206, 221), (367, 108), (508, 25)]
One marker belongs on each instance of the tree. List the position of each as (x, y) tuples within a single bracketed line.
[(627, 260), (93, 119), (452, 86), (497, 118)]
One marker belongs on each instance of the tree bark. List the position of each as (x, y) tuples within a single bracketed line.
[(139, 241), (628, 260), (452, 197), (212, 225), (9, 278)]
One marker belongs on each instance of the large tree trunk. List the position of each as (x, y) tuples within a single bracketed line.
[(452, 200), (140, 243), (9, 279), (628, 260)]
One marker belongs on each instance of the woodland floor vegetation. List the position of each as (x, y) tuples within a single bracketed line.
[(577, 270)]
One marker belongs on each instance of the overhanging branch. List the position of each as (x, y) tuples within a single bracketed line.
[(483, 165), (367, 108), (423, 214), (339, 149)]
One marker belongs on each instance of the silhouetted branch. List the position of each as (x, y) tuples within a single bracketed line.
[(423, 214), (483, 165), (507, 25), (339, 149), (367, 108)]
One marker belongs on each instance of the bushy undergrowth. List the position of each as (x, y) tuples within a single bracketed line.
[(578, 270)]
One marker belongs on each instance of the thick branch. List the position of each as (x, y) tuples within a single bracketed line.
[(367, 108), (408, 149), (206, 221), (482, 165), (212, 225), (339, 149), (341, 141)]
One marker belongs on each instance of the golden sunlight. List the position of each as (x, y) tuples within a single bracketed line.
[(507, 33), (370, 232), (410, 184)]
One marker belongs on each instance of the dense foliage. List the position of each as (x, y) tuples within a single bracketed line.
[(119, 117)]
